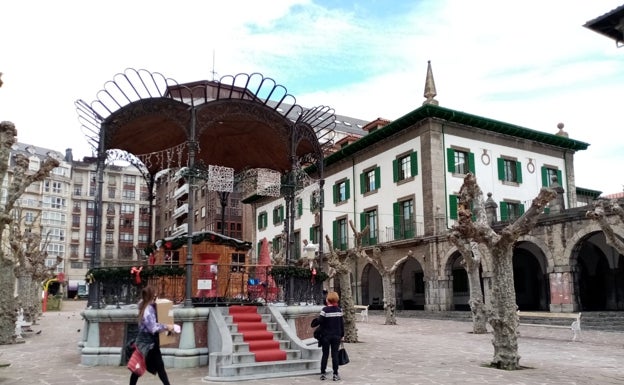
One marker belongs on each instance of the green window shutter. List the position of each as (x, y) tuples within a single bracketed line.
[(274, 216), (546, 210), (450, 159), (560, 178), (503, 210), (335, 190), (545, 181), (501, 168), (362, 221), (471, 163), (312, 234), (260, 221), (347, 189), (377, 178), (521, 209), (453, 207), (265, 220), (258, 248), (519, 172), (299, 207), (395, 170), (363, 183), (335, 235), (414, 163), (281, 213), (397, 220)]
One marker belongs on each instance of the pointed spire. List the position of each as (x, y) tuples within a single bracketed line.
[(430, 89)]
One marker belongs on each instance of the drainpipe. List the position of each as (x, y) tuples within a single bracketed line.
[(192, 144), (446, 213)]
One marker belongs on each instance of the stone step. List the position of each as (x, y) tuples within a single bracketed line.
[(262, 369), (248, 357)]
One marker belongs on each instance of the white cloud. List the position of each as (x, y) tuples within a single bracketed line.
[(529, 63)]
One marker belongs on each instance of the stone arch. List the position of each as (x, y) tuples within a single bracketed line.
[(596, 269), (530, 276), (372, 288), (410, 277)]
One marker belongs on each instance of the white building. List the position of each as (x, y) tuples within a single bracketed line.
[(402, 180)]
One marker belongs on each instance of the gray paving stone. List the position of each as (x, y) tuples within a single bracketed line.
[(416, 351)]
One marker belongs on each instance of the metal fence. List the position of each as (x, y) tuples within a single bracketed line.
[(212, 284)]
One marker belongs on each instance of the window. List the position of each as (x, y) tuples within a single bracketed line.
[(315, 234), (369, 218), (127, 208), (29, 217), (203, 212), (548, 173), (340, 234), (299, 207), (263, 219), (109, 237), (341, 191), (278, 214), (370, 180), (129, 179), (297, 248), (126, 237), (460, 161), (172, 257), (78, 190), (509, 170), (510, 211), (405, 167), (403, 219), (76, 265), (128, 194), (316, 200), (111, 192)]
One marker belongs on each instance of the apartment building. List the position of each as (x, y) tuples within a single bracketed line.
[(125, 217)]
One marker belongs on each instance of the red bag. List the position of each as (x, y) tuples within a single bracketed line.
[(136, 364)]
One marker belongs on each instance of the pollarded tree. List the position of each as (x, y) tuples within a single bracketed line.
[(388, 282), (502, 315), (341, 263), (29, 250), (22, 178), (599, 213), (471, 262)]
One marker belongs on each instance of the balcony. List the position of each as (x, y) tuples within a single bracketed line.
[(181, 191), (180, 230), (180, 211)]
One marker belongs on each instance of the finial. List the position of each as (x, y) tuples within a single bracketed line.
[(430, 88), (561, 132)]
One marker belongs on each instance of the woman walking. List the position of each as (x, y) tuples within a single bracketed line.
[(332, 326), (147, 340)]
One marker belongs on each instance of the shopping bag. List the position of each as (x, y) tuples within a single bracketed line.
[(136, 364), (343, 357)]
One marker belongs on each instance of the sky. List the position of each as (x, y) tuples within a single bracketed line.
[(529, 63)]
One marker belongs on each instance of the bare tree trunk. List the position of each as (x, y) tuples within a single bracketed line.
[(341, 264), (502, 316), (477, 307), (26, 299), (16, 187), (599, 213), (388, 283), (8, 314)]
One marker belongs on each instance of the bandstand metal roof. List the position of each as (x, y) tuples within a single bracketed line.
[(242, 122)]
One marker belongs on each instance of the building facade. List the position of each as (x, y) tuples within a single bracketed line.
[(402, 180)]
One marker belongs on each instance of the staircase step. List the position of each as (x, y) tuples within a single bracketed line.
[(263, 368)]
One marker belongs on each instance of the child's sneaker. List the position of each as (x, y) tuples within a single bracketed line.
[(336, 377), (323, 376)]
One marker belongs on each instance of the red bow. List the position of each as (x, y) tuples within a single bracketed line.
[(137, 274)]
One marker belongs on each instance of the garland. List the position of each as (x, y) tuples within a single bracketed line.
[(282, 272), (120, 274), (207, 236)]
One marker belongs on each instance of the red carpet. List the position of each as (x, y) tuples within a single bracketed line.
[(255, 333)]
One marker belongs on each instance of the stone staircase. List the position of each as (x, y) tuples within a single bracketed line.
[(235, 362), (612, 321)]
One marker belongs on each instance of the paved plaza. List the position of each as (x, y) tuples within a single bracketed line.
[(416, 351)]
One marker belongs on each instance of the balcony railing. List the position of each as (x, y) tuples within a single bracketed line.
[(179, 211), (181, 191)]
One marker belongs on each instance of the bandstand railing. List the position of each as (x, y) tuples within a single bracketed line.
[(213, 285)]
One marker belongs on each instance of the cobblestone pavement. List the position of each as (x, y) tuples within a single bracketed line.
[(416, 351)]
